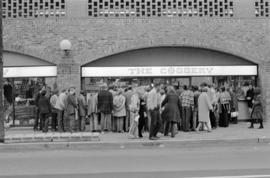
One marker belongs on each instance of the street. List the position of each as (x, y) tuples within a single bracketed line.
[(221, 161)]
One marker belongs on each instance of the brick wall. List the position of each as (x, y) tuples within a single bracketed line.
[(95, 38)]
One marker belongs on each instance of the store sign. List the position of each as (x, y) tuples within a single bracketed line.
[(39, 71), (169, 71)]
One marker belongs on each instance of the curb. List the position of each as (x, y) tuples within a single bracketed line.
[(52, 137), (97, 144)]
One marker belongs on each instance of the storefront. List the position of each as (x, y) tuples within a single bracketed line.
[(23, 76), (176, 66)]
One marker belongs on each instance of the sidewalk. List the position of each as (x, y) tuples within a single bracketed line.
[(233, 134)]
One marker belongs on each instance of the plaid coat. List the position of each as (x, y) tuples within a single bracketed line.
[(105, 102)]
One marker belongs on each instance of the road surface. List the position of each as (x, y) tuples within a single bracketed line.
[(217, 161)]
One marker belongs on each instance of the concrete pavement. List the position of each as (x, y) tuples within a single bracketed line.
[(233, 134), (197, 161)]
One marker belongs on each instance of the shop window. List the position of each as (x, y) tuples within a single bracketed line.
[(19, 99)]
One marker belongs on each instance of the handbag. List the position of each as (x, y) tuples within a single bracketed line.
[(136, 119), (76, 114), (234, 114)]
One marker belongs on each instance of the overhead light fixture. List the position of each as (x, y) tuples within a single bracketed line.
[(65, 45)]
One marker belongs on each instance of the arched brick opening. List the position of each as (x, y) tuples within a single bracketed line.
[(40, 54), (13, 59), (228, 51), (235, 54)]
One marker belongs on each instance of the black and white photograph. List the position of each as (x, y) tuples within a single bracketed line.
[(135, 89)]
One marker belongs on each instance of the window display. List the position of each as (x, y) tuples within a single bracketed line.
[(19, 97)]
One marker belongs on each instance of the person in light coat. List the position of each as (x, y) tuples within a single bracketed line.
[(134, 108), (204, 107), (213, 99), (61, 105), (153, 105), (82, 111), (92, 112), (119, 110), (53, 101), (128, 94)]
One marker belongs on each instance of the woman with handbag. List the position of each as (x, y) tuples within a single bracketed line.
[(257, 110), (204, 108)]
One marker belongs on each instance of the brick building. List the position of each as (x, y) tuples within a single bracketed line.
[(103, 30)]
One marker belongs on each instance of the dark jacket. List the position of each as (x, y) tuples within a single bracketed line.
[(234, 101), (8, 93), (44, 105), (82, 105), (71, 105), (37, 97), (105, 102), (249, 97), (142, 110), (257, 110), (172, 108)]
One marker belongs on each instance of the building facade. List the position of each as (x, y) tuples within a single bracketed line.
[(98, 29)]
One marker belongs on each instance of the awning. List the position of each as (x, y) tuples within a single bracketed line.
[(170, 61), (17, 65)]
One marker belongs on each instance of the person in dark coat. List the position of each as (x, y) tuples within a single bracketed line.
[(171, 113), (82, 111), (143, 115), (105, 106), (44, 107), (257, 110), (70, 110), (234, 105), (38, 122), (8, 92), (249, 97), (195, 116)]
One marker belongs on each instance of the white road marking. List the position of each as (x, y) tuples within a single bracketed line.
[(243, 176)]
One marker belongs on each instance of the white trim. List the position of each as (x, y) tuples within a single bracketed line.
[(37, 71), (151, 71)]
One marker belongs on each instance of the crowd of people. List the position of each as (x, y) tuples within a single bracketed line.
[(136, 109)]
